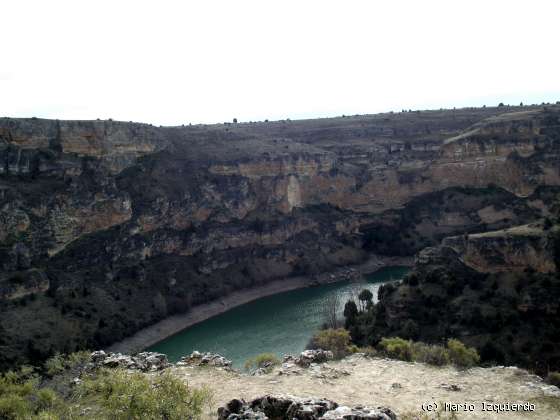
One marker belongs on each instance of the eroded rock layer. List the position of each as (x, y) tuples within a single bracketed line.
[(106, 227)]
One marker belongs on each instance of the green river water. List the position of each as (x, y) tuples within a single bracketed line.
[(280, 324)]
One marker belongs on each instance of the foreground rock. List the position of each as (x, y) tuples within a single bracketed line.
[(211, 359), (307, 357), (145, 361), (290, 407)]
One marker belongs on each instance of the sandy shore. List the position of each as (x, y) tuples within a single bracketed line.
[(176, 323)]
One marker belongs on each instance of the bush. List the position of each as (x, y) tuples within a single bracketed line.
[(59, 363), (462, 355), (114, 394), (55, 365), (46, 399), (335, 340), (262, 361), (20, 397), (456, 352), (431, 354), (553, 378), (118, 394), (397, 348)]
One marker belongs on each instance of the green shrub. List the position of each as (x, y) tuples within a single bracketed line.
[(263, 360), (462, 355), (397, 348), (13, 406), (114, 394), (16, 389), (46, 399), (118, 394), (456, 352), (352, 348), (553, 378), (431, 354), (59, 363), (335, 340), (55, 365)]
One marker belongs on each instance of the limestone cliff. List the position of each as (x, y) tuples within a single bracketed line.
[(513, 249), (127, 223), (497, 291)]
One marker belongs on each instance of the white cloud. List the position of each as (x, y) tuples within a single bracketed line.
[(172, 62)]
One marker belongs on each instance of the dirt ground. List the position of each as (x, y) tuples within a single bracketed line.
[(404, 387)]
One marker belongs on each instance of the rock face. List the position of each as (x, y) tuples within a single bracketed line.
[(290, 407), (209, 359), (145, 361), (450, 293), (512, 249), (117, 225), (309, 356)]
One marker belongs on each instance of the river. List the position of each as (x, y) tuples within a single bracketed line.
[(280, 324)]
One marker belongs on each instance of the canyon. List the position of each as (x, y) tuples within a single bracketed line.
[(108, 227)]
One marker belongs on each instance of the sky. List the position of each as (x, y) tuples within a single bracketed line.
[(178, 62)]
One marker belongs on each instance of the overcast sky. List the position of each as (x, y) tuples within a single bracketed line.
[(173, 62)]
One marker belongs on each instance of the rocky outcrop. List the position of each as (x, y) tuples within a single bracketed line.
[(144, 361), (117, 144), (513, 249), (290, 407), (307, 357), (491, 307), (205, 359)]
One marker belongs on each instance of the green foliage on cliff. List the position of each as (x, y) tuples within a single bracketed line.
[(59, 363), (455, 352), (397, 348), (123, 395), (335, 340), (102, 394), (462, 355)]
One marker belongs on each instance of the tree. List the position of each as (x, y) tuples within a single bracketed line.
[(365, 298), (330, 310), (350, 313), (350, 309), (235, 120), (501, 104)]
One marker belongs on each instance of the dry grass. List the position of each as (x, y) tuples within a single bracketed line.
[(358, 380)]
